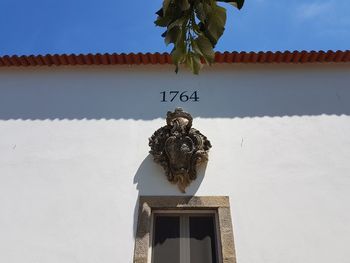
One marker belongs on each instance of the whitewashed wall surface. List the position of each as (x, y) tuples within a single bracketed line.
[(74, 158)]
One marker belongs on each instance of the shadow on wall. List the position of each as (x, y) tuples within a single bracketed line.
[(110, 93), (150, 179)]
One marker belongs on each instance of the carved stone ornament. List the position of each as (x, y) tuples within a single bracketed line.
[(179, 148)]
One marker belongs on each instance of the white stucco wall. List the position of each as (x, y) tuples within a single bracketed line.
[(74, 158)]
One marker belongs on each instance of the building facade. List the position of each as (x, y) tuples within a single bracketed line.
[(74, 154)]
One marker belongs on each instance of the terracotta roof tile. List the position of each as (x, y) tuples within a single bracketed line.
[(165, 58)]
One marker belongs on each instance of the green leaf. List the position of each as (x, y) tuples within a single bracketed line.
[(173, 13), (163, 21), (196, 64), (183, 4), (195, 48), (188, 61), (200, 13), (206, 48), (215, 26), (193, 62), (166, 4), (178, 22), (177, 56), (172, 35), (207, 4), (160, 12)]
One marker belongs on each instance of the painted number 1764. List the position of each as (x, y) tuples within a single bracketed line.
[(175, 95)]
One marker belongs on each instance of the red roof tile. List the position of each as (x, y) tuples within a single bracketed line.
[(165, 58)]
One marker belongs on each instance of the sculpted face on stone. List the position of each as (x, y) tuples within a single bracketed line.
[(179, 148)]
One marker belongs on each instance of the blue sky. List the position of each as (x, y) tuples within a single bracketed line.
[(99, 26)]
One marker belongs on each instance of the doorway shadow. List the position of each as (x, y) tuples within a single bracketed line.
[(150, 180)]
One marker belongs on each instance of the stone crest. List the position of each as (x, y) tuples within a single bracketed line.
[(179, 148)]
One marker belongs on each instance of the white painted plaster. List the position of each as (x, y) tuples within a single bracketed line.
[(74, 158)]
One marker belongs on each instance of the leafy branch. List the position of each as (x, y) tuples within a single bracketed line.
[(194, 27)]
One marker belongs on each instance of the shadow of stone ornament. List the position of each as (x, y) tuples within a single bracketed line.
[(179, 148)]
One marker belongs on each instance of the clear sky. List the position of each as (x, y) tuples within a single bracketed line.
[(99, 26)]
